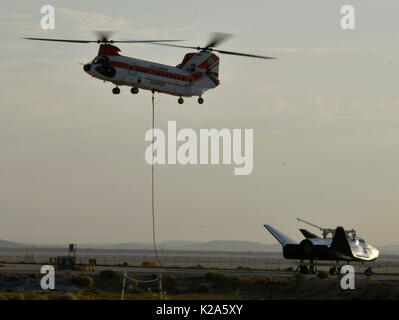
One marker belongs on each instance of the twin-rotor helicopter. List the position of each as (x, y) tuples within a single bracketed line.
[(197, 73)]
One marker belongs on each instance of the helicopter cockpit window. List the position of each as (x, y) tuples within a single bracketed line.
[(100, 60)]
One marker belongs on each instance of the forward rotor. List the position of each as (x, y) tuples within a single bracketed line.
[(103, 37)]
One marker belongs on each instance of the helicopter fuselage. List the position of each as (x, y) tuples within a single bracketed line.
[(197, 73)]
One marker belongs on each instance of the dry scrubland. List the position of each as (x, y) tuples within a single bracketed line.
[(107, 285)]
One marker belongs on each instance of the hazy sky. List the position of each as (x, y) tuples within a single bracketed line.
[(325, 117)]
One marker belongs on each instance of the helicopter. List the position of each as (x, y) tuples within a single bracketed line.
[(197, 73), (342, 245)]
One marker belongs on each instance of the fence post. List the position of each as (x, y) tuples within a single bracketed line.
[(123, 285)]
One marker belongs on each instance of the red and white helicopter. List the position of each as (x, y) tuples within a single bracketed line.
[(197, 73)]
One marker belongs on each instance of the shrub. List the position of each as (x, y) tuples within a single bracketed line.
[(83, 281), (298, 276), (323, 274), (148, 264), (11, 277), (243, 268), (172, 278), (203, 287), (34, 295), (237, 295), (290, 279), (108, 274), (215, 276), (15, 296), (66, 296)]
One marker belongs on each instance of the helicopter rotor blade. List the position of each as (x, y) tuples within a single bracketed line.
[(217, 39), (176, 46), (242, 54), (220, 51), (145, 41), (100, 40), (103, 35), (63, 40)]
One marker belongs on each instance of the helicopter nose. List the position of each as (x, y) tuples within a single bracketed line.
[(87, 67)]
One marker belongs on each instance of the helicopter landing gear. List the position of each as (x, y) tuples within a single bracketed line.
[(181, 100), (368, 272), (200, 100), (116, 90), (134, 90)]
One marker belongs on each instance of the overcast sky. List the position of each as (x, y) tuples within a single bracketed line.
[(325, 116)]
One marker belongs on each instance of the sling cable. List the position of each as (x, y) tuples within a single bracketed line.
[(152, 184)]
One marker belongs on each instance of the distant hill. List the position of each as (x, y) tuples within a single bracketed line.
[(220, 245), (10, 244), (216, 245), (390, 249)]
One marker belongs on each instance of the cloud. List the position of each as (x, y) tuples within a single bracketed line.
[(18, 23), (164, 32), (318, 50), (89, 21), (9, 46), (15, 16)]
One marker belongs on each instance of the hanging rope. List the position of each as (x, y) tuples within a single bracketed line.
[(125, 277), (141, 281), (153, 193)]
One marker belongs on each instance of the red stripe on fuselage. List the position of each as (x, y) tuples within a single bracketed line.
[(169, 75), (119, 64)]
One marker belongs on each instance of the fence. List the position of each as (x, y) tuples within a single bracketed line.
[(191, 261)]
